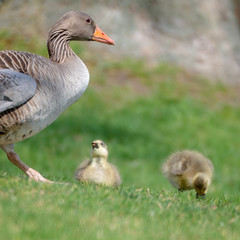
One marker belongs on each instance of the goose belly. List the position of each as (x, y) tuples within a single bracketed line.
[(33, 116), (25, 122), (59, 86)]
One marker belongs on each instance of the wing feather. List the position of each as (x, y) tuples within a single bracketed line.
[(15, 88)]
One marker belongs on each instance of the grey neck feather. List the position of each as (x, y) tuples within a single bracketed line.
[(58, 45)]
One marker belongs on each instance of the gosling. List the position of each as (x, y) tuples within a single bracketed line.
[(98, 169), (188, 170)]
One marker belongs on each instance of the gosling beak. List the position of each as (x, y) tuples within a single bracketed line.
[(200, 196), (100, 36), (94, 145)]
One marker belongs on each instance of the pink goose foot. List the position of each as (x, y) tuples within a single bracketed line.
[(15, 159), (36, 176)]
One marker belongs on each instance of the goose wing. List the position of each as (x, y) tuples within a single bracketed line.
[(15, 88)]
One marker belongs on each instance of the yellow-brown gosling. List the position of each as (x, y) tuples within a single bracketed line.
[(188, 170), (98, 169)]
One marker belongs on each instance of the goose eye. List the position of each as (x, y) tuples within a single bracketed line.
[(88, 20), (102, 143)]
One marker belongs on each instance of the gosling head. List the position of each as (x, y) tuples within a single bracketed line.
[(99, 149), (201, 184)]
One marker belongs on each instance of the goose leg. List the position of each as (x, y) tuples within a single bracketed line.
[(15, 159)]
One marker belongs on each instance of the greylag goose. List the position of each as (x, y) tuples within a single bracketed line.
[(189, 170), (98, 169), (35, 90)]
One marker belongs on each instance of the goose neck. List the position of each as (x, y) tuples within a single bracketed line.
[(99, 160), (58, 46)]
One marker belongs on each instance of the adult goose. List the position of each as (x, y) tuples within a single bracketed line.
[(35, 90)]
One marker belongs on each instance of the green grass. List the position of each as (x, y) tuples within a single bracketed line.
[(143, 113)]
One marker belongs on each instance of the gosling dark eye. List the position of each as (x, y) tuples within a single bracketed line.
[(102, 143), (88, 20)]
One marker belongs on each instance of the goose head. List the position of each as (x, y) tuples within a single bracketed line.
[(79, 26), (201, 184), (99, 149)]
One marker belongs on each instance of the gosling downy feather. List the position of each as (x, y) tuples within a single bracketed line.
[(98, 169), (188, 170)]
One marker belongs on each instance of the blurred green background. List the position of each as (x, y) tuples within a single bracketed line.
[(145, 102)]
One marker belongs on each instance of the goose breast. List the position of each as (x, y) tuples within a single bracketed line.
[(45, 90)]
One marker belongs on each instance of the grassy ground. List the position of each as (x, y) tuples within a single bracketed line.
[(143, 113)]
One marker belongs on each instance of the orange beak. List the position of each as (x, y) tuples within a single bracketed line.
[(100, 36)]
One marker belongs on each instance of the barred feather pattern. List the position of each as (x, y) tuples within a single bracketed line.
[(58, 86), (58, 47)]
